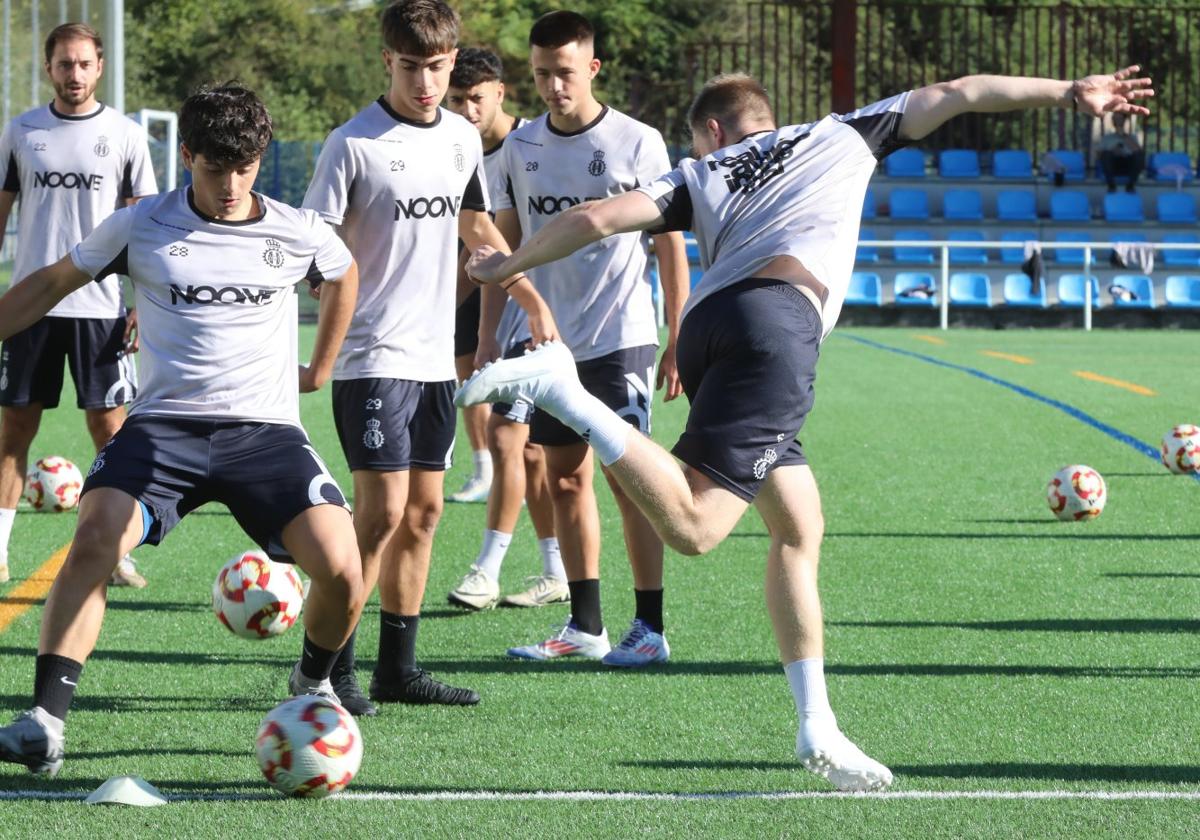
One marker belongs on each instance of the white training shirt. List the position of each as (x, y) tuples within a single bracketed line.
[(216, 303), (600, 295), (396, 188), (796, 191), (70, 173)]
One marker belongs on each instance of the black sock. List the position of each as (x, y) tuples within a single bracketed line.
[(585, 605), (315, 661), (397, 643), (649, 607), (54, 682), (344, 663)]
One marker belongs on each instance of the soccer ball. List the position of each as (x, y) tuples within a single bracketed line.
[(309, 746), (256, 597), (1181, 449), (53, 483), (1076, 492)]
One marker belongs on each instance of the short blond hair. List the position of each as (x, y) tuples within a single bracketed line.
[(729, 99)]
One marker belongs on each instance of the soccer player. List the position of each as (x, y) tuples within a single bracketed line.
[(217, 417), (776, 213), (72, 163), (404, 181), (477, 93), (581, 149)]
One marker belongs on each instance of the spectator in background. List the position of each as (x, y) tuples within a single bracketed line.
[(1121, 154)]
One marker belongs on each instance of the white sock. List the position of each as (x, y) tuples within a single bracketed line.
[(483, 464), (807, 679), (552, 558), (6, 524), (592, 420), (491, 555)]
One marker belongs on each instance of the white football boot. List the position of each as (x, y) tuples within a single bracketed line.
[(529, 378), (474, 489), (639, 647), (833, 756), (476, 591), (34, 739), (541, 590), (567, 641)]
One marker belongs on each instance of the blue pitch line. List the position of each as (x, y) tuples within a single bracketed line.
[(1070, 410)]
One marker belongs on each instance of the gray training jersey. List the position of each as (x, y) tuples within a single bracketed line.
[(70, 173), (796, 191), (600, 295), (396, 188), (216, 303)]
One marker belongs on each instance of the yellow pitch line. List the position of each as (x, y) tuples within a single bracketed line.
[(33, 590), (932, 339), (1116, 383), (1008, 357)]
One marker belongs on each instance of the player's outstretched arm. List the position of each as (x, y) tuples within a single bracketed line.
[(929, 107), (29, 300), (333, 320)]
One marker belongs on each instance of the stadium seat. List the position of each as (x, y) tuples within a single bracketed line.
[(973, 255), (958, 163), (1016, 206), (865, 289), (1170, 166), (868, 211), (913, 253), (905, 163), (1071, 256), (1070, 160), (907, 280), (1018, 292), (909, 204), (1122, 207), (866, 253), (1126, 236), (970, 289), (1177, 208), (692, 249), (1181, 257), (1069, 206), (1012, 163), (1142, 288), (962, 206), (1183, 291), (1016, 254), (1071, 291)]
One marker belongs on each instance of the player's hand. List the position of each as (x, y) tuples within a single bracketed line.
[(308, 380), (668, 375), (1115, 93), (484, 265), (130, 339), (487, 351), (542, 326)]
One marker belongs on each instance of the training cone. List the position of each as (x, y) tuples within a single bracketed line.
[(127, 790)]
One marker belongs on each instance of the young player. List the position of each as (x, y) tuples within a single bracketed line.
[(477, 93), (581, 149), (404, 181), (217, 417), (783, 207), (72, 163)]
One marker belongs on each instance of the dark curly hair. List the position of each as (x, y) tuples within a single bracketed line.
[(227, 123), (474, 66)]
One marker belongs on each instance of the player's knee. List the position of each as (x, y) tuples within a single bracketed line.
[(692, 543), (97, 541), (567, 488), (422, 519), (17, 433), (376, 525), (101, 427)]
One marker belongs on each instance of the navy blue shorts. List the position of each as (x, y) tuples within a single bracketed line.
[(466, 325), (518, 412), (747, 359), (390, 425), (31, 363), (267, 474), (623, 380)]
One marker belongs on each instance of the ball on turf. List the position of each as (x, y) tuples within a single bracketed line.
[(1076, 492), (256, 597), (53, 483), (309, 746), (1181, 449)]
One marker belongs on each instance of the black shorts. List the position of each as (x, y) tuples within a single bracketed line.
[(267, 474), (623, 380), (518, 412), (747, 358), (466, 325), (31, 363), (395, 424)]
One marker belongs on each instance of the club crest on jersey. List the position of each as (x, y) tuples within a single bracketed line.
[(769, 457), (460, 160), (373, 436), (597, 165), (273, 256), (101, 148)]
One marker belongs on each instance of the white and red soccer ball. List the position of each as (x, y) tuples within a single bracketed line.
[(1181, 449), (53, 483), (1076, 492), (309, 746), (256, 597)]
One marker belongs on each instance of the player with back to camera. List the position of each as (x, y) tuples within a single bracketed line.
[(213, 267), (783, 205)]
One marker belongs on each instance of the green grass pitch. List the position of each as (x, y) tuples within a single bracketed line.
[(974, 643)]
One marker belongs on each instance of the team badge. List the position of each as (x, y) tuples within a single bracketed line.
[(97, 465), (769, 457), (373, 436), (460, 161), (273, 256), (101, 147), (597, 165)]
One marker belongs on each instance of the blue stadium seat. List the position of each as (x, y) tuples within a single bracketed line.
[(868, 211), (1012, 163), (1071, 256), (1126, 236), (1016, 206), (962, 206), (1185, 257), (913, 253), (909, 204), (1123, 207), (905, 163), (692, 249), (1142, 288), (958, 163), (1016, 254), (906, 280), (865, 289), (1072, 161), (1171, 166), (970, 289), (1177, 208), (973, 255), (1071, 291), (1183, 291), (1017, 292), (1069, 206), (866, 253)]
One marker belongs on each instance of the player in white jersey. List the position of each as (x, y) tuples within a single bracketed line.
[(71, 163), (601, 299), (403, 180), (776, 213), (213, 268), (477, 93)]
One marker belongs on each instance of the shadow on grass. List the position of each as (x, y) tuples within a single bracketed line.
[(1047, 625), (285, 660), (1151, 574), (1068, 533), (152, 703), (157, 606)]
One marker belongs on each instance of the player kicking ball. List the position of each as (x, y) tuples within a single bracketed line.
[(776, 215), (218, 415)]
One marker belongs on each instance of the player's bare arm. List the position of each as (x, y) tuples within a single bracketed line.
[(27, 302), (333, 320), (929, 107), (6, 204), (673, 279), (493, 297)]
